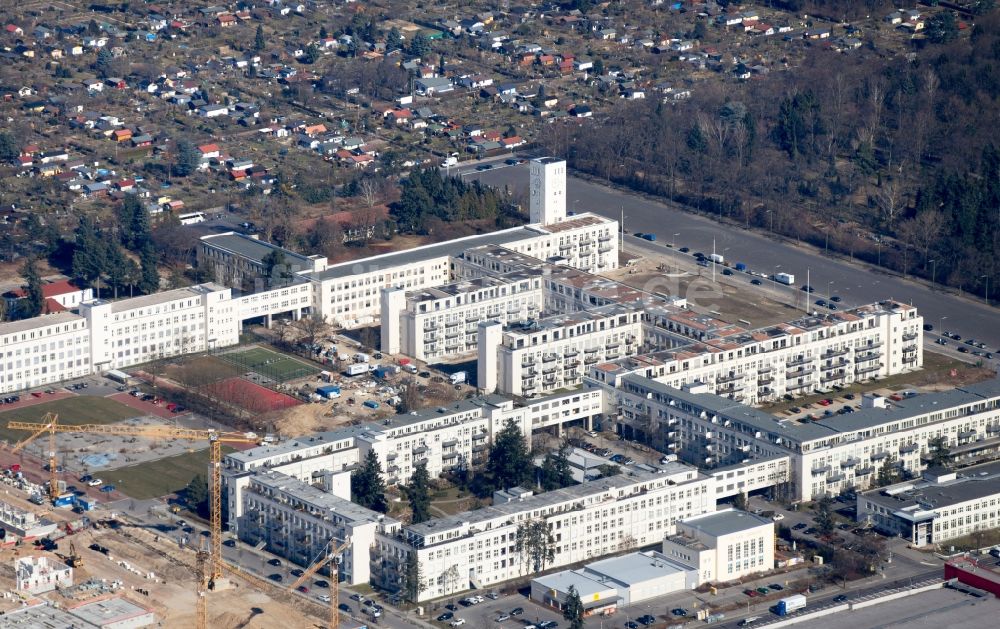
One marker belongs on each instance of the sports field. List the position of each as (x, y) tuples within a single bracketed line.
[(79, 409), (250, 396), (270, 364), (161, 477)]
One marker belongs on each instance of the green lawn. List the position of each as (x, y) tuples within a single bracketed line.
[(161, 477), (270, 364), (83, 409)]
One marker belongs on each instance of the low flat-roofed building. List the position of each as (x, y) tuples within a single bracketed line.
[(114, 612), (939, 506), (616, 582), (43, 350), (36, 575), (723, 546)]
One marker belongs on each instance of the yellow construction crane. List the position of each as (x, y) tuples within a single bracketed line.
[(332, 557), (214, 437), (49, 425), (201, 604)]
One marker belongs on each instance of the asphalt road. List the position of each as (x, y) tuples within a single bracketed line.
[(856, 283)]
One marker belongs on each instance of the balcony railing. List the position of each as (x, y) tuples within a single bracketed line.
[(729, 378), (863, 370), (801, 373), (798, 361), (833, 353), (909, 336)]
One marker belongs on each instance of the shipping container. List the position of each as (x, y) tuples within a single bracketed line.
[(330, 391), (356, 369)]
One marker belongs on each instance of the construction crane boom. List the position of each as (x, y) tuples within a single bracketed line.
[(214, 437), (330, 557)]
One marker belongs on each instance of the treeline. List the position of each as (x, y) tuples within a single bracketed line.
[(895, 161), (429, 196)]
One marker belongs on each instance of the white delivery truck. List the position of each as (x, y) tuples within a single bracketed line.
[(717, 258), (459, 377), (356, 369), (784, 278)]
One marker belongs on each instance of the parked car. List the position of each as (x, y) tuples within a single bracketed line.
[(647, 619), (777, 587), (445, 617), (679, 611), (840, 598), (458, 622)]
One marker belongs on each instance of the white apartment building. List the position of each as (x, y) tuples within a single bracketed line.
[(295, 299), (476, 549), (940, 506), (724, 546), (547, 203), (829, 455), (171, 323), (445, 438), (296, 520), (43, 350), (538, 357), (808, 354), (441, 323)]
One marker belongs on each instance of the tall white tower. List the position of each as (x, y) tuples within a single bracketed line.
[(548, 190)]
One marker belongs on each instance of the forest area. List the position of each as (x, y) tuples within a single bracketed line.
[(895, 161)]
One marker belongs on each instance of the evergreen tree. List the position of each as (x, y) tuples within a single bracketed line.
[(419, 45), (149, 279), (367, 485), (276, 268), (119, 268), (824, 516), (555, 472), (741, 502), (312, 54), (888, 473), (258, 40), (89, 252), (941, 27), (187, 158), (418, 494), (394, 40), (102, 65), (573, 609), (34, 303), (196, 495), (413, 582), (509, 462), (8, 147), (940, 455), (323, 34), (133, 222)]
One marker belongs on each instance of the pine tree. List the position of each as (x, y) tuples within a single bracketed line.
[(187, 158), (34, 303), (509, 462), (367, 485), (555, 472), (323, 34), (8, 147), (573, 609), (413, 582), (824, 516), (196, 495), (89, 252), (102, 65), (149, 279), (258, 40), (418, 494)]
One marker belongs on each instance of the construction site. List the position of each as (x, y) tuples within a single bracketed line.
[(69, 560)]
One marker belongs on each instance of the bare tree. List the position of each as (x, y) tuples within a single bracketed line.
[(889, 198), (310, 328)]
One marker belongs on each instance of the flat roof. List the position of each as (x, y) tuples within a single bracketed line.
[(419, 254), (110, 610), (585, 585), (253, 248), (164, 297), (316, 497), (44, 321), (726, 522), (635, 568), (292, 446), (435, 412), (924, 495)]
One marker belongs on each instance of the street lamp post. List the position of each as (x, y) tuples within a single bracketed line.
[(673, 239), (829, 290), (987, 287), (774, 277), (770, 214), (933, 269)]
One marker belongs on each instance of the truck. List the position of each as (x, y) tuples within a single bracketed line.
[(361, 358), (784, 278), (716, 257), (649, 237), (459, 377), (790, 604), (120, 377), (356, 369), (741, 267)]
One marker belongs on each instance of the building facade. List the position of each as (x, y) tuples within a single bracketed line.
[(43, 350), (723, 546)]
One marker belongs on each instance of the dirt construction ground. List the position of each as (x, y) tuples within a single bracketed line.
[(172, 586)]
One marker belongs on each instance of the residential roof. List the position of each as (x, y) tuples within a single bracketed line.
[(420, 254), (634, 568), (25, 325), (253, 249), (916, 496), (165, 297)]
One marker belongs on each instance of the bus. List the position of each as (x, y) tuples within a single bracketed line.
[(191, 218)]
